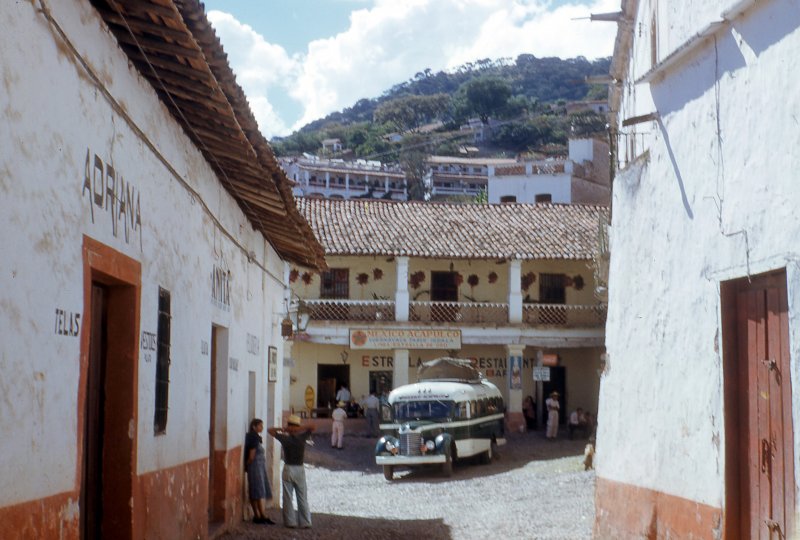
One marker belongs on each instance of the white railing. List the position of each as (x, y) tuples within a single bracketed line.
[(459, 312), (566, 315), (351, 310)]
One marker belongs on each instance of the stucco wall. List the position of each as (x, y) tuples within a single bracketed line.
[(525, 188), (714, 199), (54, 120)]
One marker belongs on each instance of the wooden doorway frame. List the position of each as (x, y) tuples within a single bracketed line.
[(740, 372), (121, 275)]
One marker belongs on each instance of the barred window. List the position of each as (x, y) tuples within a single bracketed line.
[(335, 283), (162, 361)]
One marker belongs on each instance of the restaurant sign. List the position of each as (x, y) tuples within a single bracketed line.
[(386, 338)]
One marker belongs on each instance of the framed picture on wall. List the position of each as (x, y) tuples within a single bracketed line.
[(272, 364)]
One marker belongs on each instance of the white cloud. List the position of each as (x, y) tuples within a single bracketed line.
[(391, 41)]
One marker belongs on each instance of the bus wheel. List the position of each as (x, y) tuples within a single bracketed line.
[(388, 472), (487, 456), (447, 466)]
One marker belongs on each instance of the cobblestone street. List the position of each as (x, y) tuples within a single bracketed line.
[(533, 489)]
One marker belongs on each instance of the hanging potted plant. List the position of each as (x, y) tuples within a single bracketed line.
[(293, 275), (377, 274), (416, 279), (492, 277), (473, 281), (527, 280), (307, 278)]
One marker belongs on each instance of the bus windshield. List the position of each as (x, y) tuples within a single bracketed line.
[(422, 410)]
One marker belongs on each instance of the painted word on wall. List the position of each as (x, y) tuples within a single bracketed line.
[(221, 288), (67, 323), (149, 343), (252, 344), (377, 361), (107, 190)]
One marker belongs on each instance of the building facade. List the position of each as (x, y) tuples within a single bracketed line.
[(142, 272), (339, 179), (697, 435), (509, 286), (583, 177)]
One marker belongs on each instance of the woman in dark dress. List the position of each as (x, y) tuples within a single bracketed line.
[(255, 463), (529, 411)]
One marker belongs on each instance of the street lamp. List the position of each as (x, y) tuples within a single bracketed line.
[(297, 317)]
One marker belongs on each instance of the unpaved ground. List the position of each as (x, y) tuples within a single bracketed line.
[(533, 489)]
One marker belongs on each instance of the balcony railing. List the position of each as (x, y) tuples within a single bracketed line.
[(564, 315), (351, 310), (459, 312), (467, 313)]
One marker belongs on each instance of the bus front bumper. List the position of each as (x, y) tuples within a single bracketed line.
[(410, 460)]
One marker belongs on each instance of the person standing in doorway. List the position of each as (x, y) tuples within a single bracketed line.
[(337, 430), (255, 464), (293, 439), (343, 394), (371, 406), (552, 415)]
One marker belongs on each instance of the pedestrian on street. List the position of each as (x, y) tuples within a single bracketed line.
[(371, 406), (337, 430), (552, 415), (256, 466), (343, 394), (293, 439)]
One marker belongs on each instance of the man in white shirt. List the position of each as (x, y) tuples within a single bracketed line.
[(337, 432), (343, 394), (552, 415), (576, 421)]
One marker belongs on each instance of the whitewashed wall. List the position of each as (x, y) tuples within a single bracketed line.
[(53, 116), (720, 164), (525, 188)]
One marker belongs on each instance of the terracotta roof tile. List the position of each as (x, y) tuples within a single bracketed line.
[(457, 231)]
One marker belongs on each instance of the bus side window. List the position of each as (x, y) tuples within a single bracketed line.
[(473, 409), (461, 409)]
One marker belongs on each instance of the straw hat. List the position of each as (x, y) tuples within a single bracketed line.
[(340, 404), (294, 420)]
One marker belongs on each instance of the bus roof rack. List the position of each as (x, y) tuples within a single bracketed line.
[(449, 369)]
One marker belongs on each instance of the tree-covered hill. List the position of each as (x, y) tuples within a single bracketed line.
[(524, 98)]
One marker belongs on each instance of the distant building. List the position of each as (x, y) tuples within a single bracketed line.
[(448, 176), (331, 146), (338, 179), (597, 106), (583, 177)]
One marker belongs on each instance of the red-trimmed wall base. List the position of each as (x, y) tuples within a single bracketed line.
[(56, 516), (626, 511), (228, 485)]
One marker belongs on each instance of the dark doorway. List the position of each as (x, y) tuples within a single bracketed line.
[(93, 434), (557, 383), (217, 427), (329, 378), (380, 382), (759, 474), (107, 395)]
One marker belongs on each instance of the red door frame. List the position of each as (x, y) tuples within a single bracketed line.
[(755, 324), (122, 275)]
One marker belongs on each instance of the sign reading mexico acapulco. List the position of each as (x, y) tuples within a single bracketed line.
[(375, 338)]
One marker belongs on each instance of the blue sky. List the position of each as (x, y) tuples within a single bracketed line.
[(298, 60)]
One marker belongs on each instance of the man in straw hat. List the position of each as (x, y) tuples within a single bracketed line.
[(552, 415), (293, 439), (337, 431)]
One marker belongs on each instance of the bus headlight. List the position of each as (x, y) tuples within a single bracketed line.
[(389, 446), (430, 445)]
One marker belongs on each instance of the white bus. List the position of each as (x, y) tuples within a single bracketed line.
[(453, 412)]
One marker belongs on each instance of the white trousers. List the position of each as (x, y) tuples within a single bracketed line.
[(552, 424), (337, 434)]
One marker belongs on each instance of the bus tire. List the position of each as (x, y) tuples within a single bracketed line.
[(486, 457), (388, 472)]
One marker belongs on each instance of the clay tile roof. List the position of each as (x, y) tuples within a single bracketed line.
[(454, 231), (174, 47)]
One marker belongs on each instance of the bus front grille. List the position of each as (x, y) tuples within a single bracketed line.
[(410, 444)]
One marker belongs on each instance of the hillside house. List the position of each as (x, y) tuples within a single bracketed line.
[(142, 272), (339, 179)]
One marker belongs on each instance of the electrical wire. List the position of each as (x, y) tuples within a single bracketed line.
[(115, 105)]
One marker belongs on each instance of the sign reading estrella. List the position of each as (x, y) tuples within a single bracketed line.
[(386, 338)]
